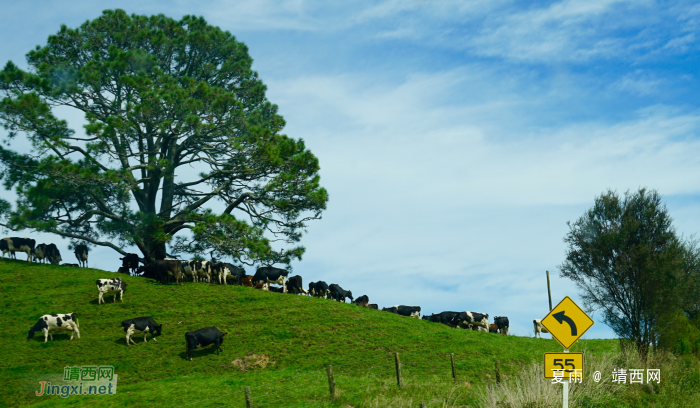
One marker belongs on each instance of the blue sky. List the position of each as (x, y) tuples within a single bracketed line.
[(456, 139)]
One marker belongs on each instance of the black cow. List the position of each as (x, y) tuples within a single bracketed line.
[(16, 244), (163, 270), (270, 274), (410, 311), (276, 289), (81, 252), (204, 337), (362, 301), (374, 306), (143, 325), (319, 289), (502, 323), (446, 318), (294, 285), (53, 254), (339, 294), (130, 263)]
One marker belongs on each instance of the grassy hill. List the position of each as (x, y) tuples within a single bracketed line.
[(279, 345)]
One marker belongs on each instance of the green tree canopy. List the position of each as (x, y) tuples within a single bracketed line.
[(626, 258), (177, 124)]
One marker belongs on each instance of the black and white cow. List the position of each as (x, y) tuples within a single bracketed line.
[(143, 325), (319, 289), (81, 252), (114, 285), (295, 285), (539, 329), (362, 301), (270, 274), (56, 322), (53, 254), (473, 320), (410, 311), (502, 323), (446, 318), (204, 337), (16, 244), (5, 248), (339, 294), (202, 269), (223, 269), (39, 253), (130, 262)]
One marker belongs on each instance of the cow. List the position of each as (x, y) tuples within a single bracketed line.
[(39, 253), (143, 325), (362, 301), (447, 318), (247, 281), (374, 306), (493, 328), (295, 285), (410, 311), (339, 294), (204, 337), (56, 322), (502, 323), (202, 269), (16, 244), (319, 289), (472, 320), (114, 285), (123, 270), (5, 248), (130, 262), (270, 274), (539, 329), (222, 270), (53, 254), (162, 270), (276, 289), (81, 252)]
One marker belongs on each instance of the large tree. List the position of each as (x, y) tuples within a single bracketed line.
[(625, 256), (179, 137)]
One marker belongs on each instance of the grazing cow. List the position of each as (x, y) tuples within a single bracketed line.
[(493, 328), (39, 253), (319, 289), (446, 318), (247, 281), (270, 274), (56, 322), (16, 244), (539, 329), (472, 320), (409, 311), (81, 252), (130, 262), (53, 254), (502, 323), (339, 294), (362, 301), (143, 325), (374, 306), (163, 270), (114, 285), (204, 337), (294, 285)]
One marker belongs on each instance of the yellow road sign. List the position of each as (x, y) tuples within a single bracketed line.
[(567, 322), (570, 364)]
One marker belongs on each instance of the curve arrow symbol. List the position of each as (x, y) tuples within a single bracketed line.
[(561, 318)]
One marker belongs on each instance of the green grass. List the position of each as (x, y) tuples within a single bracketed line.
[(299, 335)]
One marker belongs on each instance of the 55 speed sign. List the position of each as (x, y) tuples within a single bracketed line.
[(562, 361)]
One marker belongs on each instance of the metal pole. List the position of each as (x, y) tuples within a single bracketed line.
[(549, 291), (565, 402)]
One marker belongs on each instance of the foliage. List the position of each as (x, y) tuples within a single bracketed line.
[(178, 125), (624, 255)]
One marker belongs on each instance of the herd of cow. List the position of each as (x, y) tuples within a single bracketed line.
[(42, 252)]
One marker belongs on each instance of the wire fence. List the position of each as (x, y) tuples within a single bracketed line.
[(349, 382)]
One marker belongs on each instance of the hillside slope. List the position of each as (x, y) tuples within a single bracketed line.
[(288, 335)]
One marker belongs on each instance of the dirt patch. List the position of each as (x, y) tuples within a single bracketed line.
[(253, 361)]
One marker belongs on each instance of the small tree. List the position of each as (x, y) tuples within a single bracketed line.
[(177, 124), (626, 258)]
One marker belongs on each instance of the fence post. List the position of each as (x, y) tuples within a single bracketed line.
[(498, 372), (454, 371), (398, 369), (331, 381), (248, 403)]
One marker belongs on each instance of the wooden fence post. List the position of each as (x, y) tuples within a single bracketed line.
[(398, 369), (248, 402), (454, 371), (331, 381), (498, 372)]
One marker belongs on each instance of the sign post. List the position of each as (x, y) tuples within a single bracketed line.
[(567, 322)]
